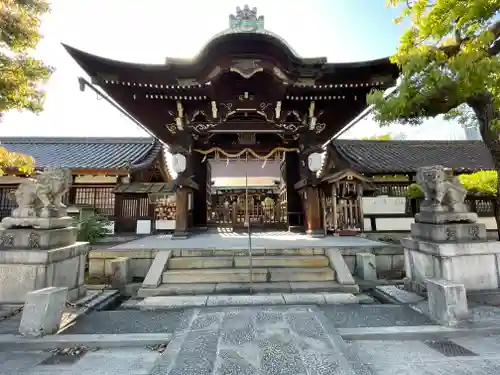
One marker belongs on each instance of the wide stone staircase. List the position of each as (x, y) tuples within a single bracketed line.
[(233, 271)]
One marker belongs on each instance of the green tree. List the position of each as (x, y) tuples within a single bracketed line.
[(21, 75), (448, 58), (383, 137)]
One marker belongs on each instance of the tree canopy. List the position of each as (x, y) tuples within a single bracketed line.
[(21, 75), (383, 137), (447, 57)]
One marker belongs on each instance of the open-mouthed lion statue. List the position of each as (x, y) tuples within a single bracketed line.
[(442, 192), (42, 196)]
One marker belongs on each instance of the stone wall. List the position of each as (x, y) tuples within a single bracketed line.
[(389, 260)]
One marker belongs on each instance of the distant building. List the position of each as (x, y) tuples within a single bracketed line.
[(472, 132)]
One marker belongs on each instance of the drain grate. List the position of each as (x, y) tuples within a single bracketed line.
[(450, 349)]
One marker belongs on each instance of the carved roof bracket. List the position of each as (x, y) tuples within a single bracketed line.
[(246, 68), (179, 120)]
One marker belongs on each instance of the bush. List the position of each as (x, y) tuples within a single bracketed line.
[(92, 228), (415, 191), (479, 183)]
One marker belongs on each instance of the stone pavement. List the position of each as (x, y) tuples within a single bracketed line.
[(236, 240), (272, 340)]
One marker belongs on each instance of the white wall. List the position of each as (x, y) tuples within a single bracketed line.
[(396, 205)]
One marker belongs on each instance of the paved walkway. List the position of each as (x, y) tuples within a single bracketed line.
[(239, 240), (297, 340)]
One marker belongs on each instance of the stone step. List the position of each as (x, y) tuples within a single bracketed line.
[(244, 262), (232, 275), (244, 252), (214, 275), (301, 274), (200, 262), (283, 261), (187, 289)]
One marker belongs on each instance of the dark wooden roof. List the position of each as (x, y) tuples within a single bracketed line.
[(379, 157), (86, 153)]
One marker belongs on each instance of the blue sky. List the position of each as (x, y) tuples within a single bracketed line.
[(149, 30)]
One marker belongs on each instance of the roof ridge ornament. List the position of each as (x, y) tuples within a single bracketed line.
[(246, 21)]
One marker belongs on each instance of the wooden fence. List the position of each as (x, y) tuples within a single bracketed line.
[(100, 198)]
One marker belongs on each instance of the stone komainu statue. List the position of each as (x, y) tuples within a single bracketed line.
[(443, 192), (42, 196)]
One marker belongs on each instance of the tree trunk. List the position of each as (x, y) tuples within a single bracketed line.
[(486, 113)]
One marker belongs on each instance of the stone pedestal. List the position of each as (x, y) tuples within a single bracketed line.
[(473, 264), (446, 241), (23, 271), (35, 238)]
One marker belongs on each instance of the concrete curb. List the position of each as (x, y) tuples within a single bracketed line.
[(431, 332), (12, 342), (176, 302)]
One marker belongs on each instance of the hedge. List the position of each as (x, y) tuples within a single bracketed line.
[(479, 183)]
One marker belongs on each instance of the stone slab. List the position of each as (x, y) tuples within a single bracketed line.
[(264, 299), (453, 232), (451, 249), (41, 257), (14, 342), (433, 217), (399, 295), (42, 311), (337, 262), (155, 272), (239, 241), (43, 239), (177, 290), (301, 274), (172, 302), (120, 271), (304, 298), (37, 222), (340, 298), (214, 275), (447, 302), (366, 266)]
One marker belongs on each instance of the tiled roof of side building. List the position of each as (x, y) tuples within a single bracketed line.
[(373, 157), (83, 153)]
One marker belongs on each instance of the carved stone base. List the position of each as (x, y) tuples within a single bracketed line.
[(37, 222), (30, 238), (473, 264), (445, 217), (23, 271), (452, 232)]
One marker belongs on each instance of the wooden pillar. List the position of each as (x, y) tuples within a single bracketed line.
[(291, 175), (313, 213), (181, 213)]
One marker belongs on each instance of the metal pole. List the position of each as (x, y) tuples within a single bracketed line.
[(248, 224)]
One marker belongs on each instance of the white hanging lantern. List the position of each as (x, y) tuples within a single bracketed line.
[(314, 162), (179, 163)]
